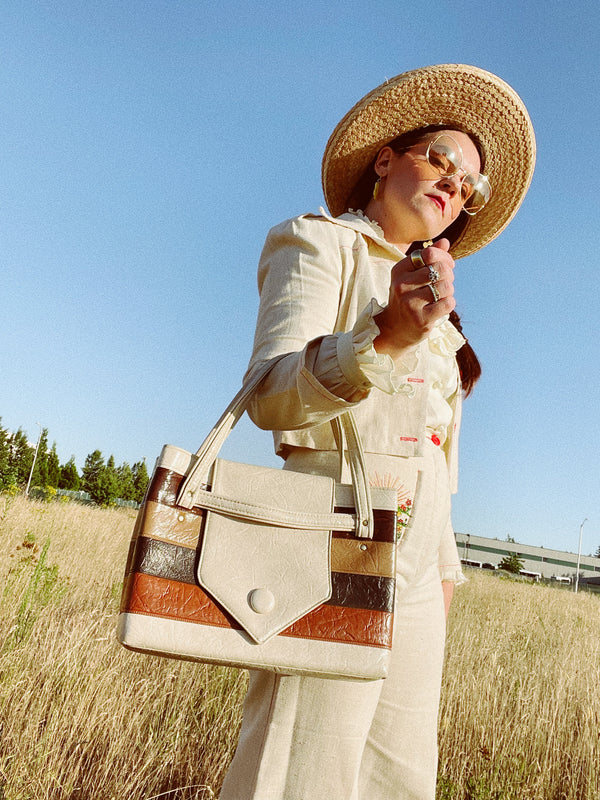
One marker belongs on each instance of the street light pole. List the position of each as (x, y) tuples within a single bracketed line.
[(37, 447), (579, 555)]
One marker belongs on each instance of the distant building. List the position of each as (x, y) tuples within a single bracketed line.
[(478, 551)]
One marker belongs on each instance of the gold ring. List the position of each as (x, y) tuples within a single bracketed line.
[(434, 291), (417, 259)]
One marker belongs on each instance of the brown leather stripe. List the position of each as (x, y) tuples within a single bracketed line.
[(164, 560), (147, 594), (172, 562), (385, 524), (165, 485), (180, 527), (362, 591)]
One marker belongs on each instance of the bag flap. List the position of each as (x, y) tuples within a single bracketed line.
[(266, 577)]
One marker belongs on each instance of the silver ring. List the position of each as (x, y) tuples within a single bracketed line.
[(434, 275), (434, 291), (417, 259)]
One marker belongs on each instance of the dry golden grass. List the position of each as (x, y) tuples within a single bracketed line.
[(521, 700), (80, 717), (83, 719)]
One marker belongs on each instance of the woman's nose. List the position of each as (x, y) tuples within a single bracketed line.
[(450, 184)]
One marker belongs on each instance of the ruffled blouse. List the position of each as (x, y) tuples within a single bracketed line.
[(372, 369)]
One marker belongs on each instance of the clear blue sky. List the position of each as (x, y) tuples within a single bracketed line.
[(147, 147)]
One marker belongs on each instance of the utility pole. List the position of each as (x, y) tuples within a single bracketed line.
[(579, 555), (37, 447)]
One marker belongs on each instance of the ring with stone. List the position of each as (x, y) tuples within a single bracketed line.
[(434, 275), (417, 259), (434, 292)]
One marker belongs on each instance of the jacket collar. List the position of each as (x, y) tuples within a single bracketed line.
[(358, 221)]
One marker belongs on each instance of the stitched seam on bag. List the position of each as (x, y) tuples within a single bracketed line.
[(324, 521)]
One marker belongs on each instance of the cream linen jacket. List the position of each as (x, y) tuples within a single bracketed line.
[(317, 275)]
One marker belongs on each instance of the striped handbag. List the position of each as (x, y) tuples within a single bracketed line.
[(262, 568)]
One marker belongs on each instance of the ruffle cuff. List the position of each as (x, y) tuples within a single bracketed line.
[(453, 574), (445, 339), (362, 365)]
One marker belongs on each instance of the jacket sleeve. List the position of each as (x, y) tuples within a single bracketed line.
[(449, 560), (300, 280)]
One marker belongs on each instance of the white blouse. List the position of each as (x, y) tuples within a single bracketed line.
[(380, 371)]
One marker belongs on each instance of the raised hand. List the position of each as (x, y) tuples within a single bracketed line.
[(421, 292)]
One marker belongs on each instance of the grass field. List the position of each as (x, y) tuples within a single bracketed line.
[(83, 719)]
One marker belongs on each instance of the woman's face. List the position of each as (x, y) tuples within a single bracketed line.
[(415, 203)]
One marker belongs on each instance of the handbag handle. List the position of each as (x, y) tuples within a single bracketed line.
[(193, 490)]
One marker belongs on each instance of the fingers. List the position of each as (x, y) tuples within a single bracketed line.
[(440, 275), (443, 244), (441, 294), (416, 259), (434, 271), (421, 292), (436, 294), (434, 310), (437, 253)]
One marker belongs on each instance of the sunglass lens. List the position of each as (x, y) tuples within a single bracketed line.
[(444, 156), (478, 191)]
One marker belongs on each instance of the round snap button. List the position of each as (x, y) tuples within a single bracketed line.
[(261, 601)]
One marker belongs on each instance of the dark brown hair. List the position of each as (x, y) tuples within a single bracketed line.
[(468, 363)]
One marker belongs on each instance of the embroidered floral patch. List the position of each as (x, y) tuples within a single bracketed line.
[(405, 501)]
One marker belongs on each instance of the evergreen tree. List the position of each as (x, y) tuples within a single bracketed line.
[(106, 488), (21, 457), (7, 477), (112, 479), (69, 477), (40, 471), (126, 486), (104, 482), (140, 480), (53, 467), (92, 469), (511, 563)]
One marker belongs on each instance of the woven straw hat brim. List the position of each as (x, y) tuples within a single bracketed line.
[(456, 95)]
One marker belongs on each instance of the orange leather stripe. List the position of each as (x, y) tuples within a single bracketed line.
[(145, 594), (337, 624), (158, 597)]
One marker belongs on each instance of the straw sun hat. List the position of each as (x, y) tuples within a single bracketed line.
[(455, 95)]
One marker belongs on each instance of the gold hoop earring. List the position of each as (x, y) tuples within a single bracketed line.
[(376, 188)]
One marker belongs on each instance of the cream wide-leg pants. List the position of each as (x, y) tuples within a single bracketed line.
[(322, 739)]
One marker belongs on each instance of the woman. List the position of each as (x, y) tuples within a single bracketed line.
[(443, 153)]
